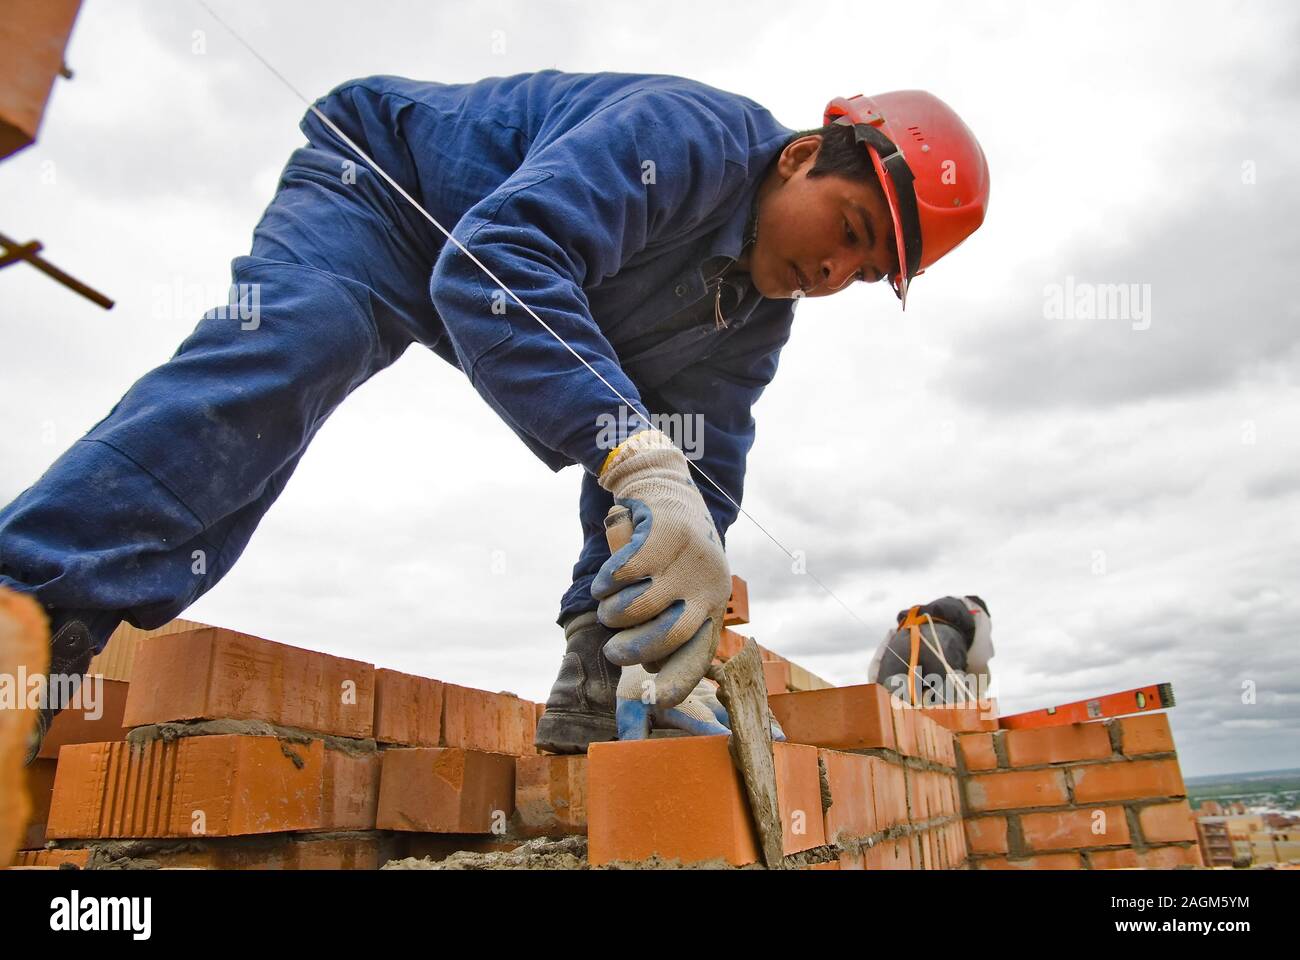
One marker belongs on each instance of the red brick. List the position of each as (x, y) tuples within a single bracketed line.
[(1126, 859), (74, 725), (1077, 741), (738, 604), (1067, 829), (490, 722), (945, 750), (943, 847), (1148, 734), (53, 858), (334, 853), (551, 795), (973, 718), (986, 834), (929, 859), (889, 855), (777, 675), (799, 796), (904, 728), (39, 775), (408, 709), (1051, 861), (923, 790), (842, 718), (925, 741), (239, 785), (351, 790), (977, 751), (1167, 822), (852, 812), (342, 853), (1126, 780), (956, 840), (1014, 789), (729, 644), (1156, 858), (1167, 858), (889, 789), (24, 648), (446, 790), (35, 40), (213, 673), (943, 785), (959, 843), (280, 853), (678, 797)]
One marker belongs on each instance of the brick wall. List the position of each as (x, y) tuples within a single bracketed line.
[(245, 753), (1101, 795)]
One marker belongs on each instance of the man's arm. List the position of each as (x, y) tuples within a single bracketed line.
[(573, 214), (723, 389)]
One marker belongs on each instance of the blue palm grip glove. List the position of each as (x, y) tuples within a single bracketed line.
[(666, 589)]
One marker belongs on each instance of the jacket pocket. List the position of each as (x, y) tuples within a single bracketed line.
[(486, 327)]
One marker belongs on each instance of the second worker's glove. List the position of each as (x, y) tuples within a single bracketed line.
[(666, 591)]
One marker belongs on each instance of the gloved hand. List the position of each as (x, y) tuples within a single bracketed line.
[(666, 591), (700, 714)]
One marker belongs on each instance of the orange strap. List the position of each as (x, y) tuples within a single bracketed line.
[(912, 623)]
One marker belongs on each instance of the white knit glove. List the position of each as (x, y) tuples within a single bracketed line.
[(666, 591)]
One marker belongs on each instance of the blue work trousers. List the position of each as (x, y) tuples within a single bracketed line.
[(151, 508)]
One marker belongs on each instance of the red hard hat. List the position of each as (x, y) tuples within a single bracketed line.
[(931, 167)]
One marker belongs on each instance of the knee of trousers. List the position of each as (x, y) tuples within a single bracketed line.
[(96, 532)]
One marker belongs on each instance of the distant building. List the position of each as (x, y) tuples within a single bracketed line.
[(1226, 840), (1275, 846), (1281, 821)]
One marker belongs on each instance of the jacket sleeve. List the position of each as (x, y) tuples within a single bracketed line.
[(649, 166), (719, 393)]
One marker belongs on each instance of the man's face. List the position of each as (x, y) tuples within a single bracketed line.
[(816, 235)]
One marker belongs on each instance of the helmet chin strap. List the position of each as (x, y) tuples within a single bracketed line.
[(900, 174)]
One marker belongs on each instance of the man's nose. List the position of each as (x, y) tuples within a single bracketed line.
[(838, 271)]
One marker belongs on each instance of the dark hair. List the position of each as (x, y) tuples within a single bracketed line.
[(840, 154)]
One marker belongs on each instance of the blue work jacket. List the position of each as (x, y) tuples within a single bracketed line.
[(599, 199)]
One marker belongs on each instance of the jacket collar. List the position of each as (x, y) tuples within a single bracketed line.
[(741, 226)]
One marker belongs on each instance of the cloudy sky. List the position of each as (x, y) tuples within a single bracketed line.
[(1122, 489)]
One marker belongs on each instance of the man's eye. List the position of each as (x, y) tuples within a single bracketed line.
[(848, 232)]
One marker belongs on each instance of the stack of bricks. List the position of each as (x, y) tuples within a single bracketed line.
[(681, 798), (236, 752), (863, 782), (111, 671), (1100, 795), (244, 753)]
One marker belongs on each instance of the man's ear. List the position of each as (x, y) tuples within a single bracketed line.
[(799, 153)]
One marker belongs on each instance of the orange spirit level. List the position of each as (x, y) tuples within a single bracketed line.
[(1158, 696)]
